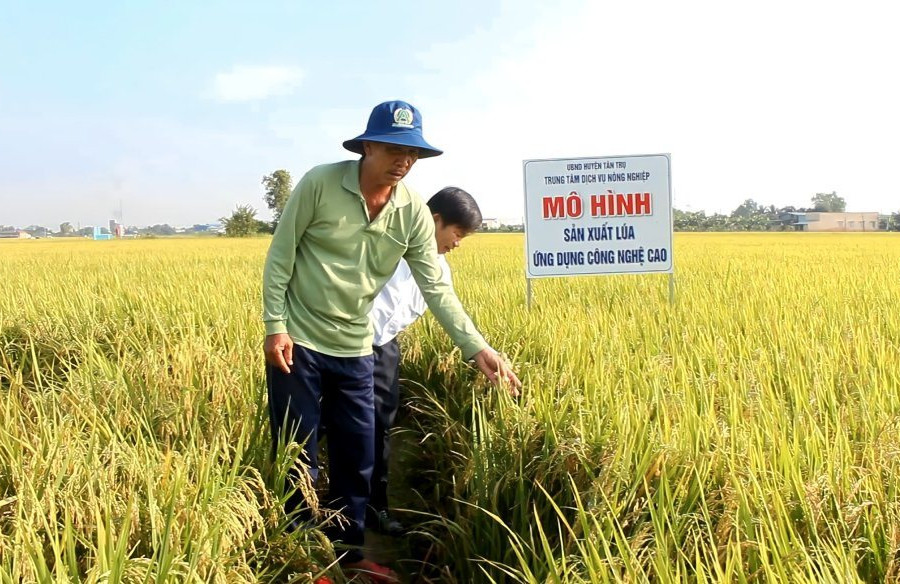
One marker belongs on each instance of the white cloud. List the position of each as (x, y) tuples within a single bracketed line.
[(249, 83)]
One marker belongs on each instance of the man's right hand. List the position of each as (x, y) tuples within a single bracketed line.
[(497, 370), (279, 350)]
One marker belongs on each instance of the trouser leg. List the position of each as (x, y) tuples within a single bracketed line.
[(350, 424), (294, 411), (387, 400)]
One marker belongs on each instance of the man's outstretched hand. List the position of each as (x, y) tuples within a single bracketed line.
[(497, 370), (279, 350)]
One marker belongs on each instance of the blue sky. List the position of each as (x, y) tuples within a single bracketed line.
[(176, 110)]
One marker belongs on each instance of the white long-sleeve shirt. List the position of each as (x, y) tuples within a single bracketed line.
[(400, 303)]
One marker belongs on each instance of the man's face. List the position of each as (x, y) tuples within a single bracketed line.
[(448, 236), (390, 163)]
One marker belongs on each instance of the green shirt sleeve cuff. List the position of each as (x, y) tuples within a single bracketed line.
[(473, 347), (276, 327)]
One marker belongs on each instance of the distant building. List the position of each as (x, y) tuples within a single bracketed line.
[(820, 221), (100, 236), (490, 223), (14, 234), (116, 229), (884, 222)]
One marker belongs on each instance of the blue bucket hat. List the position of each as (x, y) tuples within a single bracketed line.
[(394, 122)]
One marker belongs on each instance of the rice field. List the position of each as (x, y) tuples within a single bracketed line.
[(748, 433)]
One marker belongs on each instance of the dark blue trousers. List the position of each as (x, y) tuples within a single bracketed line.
[(295, 411)]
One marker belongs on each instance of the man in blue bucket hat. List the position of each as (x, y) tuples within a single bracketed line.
[(341, 236)]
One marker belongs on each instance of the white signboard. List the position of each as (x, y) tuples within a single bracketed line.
[(608, 215)]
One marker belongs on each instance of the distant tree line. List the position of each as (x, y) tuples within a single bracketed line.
[(241, 223), (748, 216), (752, 216), (504, 229), (67, 230)]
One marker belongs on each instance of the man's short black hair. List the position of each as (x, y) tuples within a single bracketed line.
[(456, 207)]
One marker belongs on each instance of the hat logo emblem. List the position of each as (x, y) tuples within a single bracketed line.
[(403, 118)]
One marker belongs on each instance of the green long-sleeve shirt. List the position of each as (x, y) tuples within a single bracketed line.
[(327, 262)]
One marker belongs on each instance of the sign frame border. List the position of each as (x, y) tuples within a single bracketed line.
[(668, 158)]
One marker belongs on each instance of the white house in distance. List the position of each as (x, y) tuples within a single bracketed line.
[(820, 221), (490, 223)]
